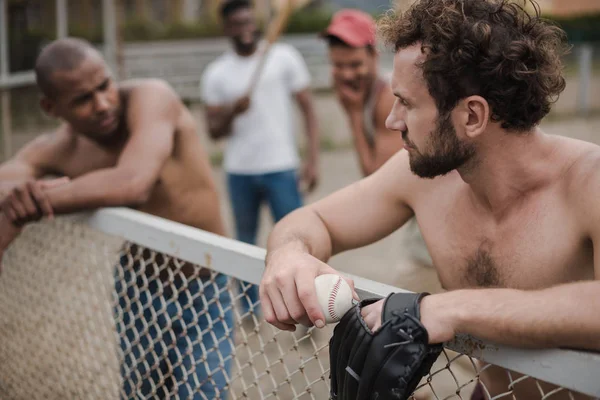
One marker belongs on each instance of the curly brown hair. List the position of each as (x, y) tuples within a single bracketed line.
[(491, 48)]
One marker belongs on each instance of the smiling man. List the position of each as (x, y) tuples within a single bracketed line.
[(366, 96), (363, 92), (129, 144)]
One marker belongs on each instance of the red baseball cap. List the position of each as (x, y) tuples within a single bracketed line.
[(354, 27)]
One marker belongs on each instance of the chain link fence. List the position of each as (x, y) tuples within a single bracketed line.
[(90, 315)]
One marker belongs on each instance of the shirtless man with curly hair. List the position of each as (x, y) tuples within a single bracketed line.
[(509, 214)]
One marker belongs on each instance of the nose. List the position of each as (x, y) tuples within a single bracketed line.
[(101, 103), (247, 36), (395, 120), (346, 74)]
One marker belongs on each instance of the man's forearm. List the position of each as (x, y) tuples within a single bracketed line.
[(102, 188), (220, 125), (562, 316), (301, 230), (220, 120), (312, 133), (365, 152)]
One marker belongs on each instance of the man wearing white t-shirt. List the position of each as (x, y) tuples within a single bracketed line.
[(261, 157)]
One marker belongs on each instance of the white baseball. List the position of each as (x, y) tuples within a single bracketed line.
[(335, 296)]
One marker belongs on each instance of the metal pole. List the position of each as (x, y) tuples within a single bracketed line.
[(109, 24), (6, 124), (120, 40), (585, 78), (62, 22), (4, 70), (3, 40)]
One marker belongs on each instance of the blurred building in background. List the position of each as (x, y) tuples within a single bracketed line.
[(558, 8), (569, 7), (33, 22), (88, 12), (175, 40)]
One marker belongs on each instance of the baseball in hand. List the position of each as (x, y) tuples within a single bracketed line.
[(335, 296)]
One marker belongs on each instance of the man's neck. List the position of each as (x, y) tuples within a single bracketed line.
[(246, 53), (372, 90), (509, 166), (114, 140)]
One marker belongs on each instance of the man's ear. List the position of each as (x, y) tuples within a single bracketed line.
[(474, 115), (48, 106), (375, 53)]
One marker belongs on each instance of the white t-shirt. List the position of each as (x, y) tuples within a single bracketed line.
[(262, 139)]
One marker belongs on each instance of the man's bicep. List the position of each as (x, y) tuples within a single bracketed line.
[(17, 170), (297, 72), (367, 210), (150, 147), (211, 90), (152, 119)]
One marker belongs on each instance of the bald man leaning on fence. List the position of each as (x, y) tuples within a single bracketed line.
[(124, 144), (509, 214)]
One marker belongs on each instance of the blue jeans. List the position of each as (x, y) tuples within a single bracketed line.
[(163, 335), (247, 192)]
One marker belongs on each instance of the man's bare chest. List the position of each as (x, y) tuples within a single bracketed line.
[(539, 246)]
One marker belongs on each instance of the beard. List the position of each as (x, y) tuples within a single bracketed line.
[(361, 83), (448, 154), (243, 47)]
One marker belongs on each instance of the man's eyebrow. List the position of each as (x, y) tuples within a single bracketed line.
[(104, 82), (400, 95), (84, 93), (81, 95)]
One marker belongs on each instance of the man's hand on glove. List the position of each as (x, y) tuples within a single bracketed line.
[(380, 349), (434, 316)]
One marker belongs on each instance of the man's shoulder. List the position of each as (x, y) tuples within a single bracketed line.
[(283, 47), (62, 136), (155, 85), (581, 166), (396, 180), (143, 91), (50, 146), (214, 68), (397, 169), (286, 51), (582, 159)]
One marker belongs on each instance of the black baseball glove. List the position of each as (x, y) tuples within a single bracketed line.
[(381, 365)]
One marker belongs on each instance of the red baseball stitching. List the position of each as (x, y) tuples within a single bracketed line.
[(331, 304)]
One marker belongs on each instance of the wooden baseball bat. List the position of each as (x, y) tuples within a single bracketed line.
[(277, 25)]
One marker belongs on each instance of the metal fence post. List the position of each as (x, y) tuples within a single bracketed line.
[(109, 26), (5, 91), (585, 78), (62, 21)]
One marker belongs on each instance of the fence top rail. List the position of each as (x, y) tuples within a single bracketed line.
[(17, 79), (246, 262)]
